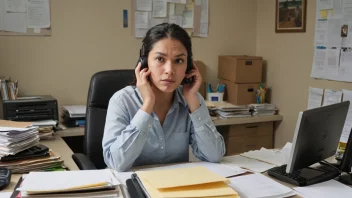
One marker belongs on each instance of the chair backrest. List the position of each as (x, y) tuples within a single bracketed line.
[(102, 86)]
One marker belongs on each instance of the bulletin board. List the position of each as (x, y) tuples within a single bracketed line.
[(192, 15), (333, 41), (30, 31)]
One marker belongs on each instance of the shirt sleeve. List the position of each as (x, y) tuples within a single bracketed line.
[(123, 138), (207, 143)]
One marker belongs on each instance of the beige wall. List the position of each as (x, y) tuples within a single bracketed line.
[(289, 62), (88, 37)]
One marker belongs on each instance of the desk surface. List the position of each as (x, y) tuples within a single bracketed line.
[(58, 146), (79, 131)]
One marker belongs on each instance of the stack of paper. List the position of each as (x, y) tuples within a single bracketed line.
[(16, 137), (276, 157), (48, 163), (228, 110), (185, 182), (263, 109), (85, 183), (258, 185), (247, 163), (326, 189)]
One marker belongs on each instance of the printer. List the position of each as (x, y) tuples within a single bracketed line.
[(35, 108)]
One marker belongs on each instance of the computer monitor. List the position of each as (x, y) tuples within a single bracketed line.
[(346, 162), (317, 135)]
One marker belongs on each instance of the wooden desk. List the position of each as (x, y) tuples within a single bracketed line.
[(58, 146), (79, 131)]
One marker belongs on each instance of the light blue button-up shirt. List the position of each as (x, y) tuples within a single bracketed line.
[(133, 137)]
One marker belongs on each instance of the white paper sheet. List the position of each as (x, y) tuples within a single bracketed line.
[(331, 97), (2, 13), (247, 163), (179, 8), (326, 189), (345, 69), (15, 22), (171, 8), (319, 62), (187, 19), (157, 21), (38, 15), (347, 96), (177, 19), (324, 4), (258, 185), (347, 15), (347, 3), (144, 5), (16, 6), (332, 62), (334, 32), (177, 1), (140, 32), (159, 8), (141, 19), (320, 32), (315, 97), (337, 7), (204, 12)]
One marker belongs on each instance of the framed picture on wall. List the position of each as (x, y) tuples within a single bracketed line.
[(290, 16)]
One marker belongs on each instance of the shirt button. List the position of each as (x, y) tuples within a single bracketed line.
[(162, 147), (199, 118), (161, 138), (150, 126)]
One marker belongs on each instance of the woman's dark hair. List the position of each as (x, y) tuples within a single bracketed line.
[(166, 30)]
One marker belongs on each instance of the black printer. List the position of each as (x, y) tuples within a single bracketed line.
[(31, 108)]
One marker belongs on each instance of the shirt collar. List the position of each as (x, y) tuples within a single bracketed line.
[(178, 96)]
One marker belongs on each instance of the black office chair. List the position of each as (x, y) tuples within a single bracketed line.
[(102, 86)]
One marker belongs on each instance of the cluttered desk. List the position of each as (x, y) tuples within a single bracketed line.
[(272, 173)]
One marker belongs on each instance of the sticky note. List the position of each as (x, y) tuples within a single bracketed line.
[(323, 14)]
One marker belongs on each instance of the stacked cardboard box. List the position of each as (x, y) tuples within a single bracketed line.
[(202, 70), (242, 76)]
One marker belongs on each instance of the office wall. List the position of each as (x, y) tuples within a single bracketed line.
[(88, 36), (288, 66)]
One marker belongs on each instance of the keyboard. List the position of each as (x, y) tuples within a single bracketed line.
[(304, 177)]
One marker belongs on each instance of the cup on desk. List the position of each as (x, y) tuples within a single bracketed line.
[(215, 96)]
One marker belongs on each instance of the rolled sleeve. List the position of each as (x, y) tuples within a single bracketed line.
[(200, 116)]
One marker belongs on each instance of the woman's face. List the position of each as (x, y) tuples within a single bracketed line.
[(167, 62)]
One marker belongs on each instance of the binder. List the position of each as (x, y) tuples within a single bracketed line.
[(135, 188)]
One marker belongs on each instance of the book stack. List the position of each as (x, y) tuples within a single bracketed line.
[(195, 181), (74, 116), (262, 109), (46, 129), (8, 89), (227, 110), (84, 183)]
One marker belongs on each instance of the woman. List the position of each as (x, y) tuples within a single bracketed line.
[(156, 120)]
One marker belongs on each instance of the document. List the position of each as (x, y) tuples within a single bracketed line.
[(345, 69), (15, 22), (171, 9), (347, 4), (324, 4), (2, 14), (38, 15), (347, 15), (187, 19), (144, 5), (179, 8), (177, 1), (315, 97), (16, 5), (157, 21), (141, 19), (337, 8), (331, 97), (204, 15), (334, 38), (247, 163), (258, 185), (333, 57), (326, 189), (176, 19), (347, 96), (319, 62), (159, 8)]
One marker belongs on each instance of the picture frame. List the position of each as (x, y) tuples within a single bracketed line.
[(290, 16)]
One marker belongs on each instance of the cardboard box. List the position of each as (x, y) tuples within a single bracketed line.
[(202, 70), (240, 69), (245, 137), (240, 94)]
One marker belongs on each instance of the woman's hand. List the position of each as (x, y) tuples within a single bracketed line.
[(190, 91), (145, 88)]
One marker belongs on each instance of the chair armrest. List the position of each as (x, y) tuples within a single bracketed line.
[(83, 162)]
